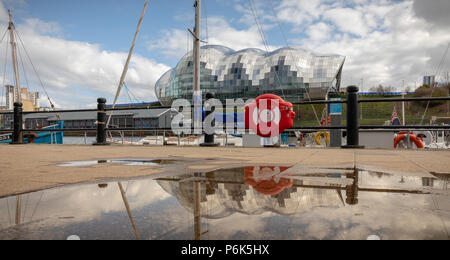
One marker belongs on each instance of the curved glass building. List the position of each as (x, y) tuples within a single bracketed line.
[(292, 73)]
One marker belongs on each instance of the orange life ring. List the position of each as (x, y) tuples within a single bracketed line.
[(266, 187), (417, 141)]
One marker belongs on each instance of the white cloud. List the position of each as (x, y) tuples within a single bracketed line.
[(302, 12), (319, 32), (174, 43), (41, 27), (3, 13), (384, 41), (223, 34), (347, 20), (76, 73)]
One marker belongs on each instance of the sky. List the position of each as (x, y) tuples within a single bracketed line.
[(79, 47)]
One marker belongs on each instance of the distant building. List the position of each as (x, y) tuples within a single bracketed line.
[(132, 118), (30, 100), (429, 80), (129, 118), (11, 95)]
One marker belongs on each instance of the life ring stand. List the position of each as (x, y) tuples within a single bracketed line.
[(417, 141), (269, 115)]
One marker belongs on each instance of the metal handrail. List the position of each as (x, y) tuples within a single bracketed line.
[(352, 126), (317, 102)]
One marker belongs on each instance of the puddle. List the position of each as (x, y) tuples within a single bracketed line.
[(126, 162), (244, 203)]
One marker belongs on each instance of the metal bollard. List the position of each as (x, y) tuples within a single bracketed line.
[(408, 140), (209, 139), (352, 119), (17, 137), (101, 122), (164, 138)]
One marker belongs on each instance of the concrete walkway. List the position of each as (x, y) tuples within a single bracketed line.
[(27, 168)]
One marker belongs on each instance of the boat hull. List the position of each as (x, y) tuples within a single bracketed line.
[(42, 137)]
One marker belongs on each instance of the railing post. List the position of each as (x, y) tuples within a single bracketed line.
[(352, 119), (164, 138), (17, 137), (101, 122), (209, 139)]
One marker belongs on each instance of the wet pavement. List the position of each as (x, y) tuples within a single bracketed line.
[(125, 162), (244, 202)]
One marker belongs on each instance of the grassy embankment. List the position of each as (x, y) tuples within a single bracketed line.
[(378, 113)]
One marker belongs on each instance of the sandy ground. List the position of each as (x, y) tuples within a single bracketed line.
[(27, 168)]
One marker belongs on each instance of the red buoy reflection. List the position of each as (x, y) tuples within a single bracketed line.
[(265, 179)]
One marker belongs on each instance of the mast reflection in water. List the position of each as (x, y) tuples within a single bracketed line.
[(263, 202)]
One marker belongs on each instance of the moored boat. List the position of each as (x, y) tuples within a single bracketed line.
[(50, 137)]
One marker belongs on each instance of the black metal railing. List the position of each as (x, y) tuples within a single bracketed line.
[(352, 127)]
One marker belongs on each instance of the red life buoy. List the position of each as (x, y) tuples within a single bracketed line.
[(417, 141), (269, 115)]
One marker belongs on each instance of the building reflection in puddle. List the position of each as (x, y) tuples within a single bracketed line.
[(258, 190), (264, 202)]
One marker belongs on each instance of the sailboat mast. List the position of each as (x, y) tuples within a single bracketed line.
[(18, 209), (130, 53), (197, 6), (197, 212), (197, 94), (17, 94)]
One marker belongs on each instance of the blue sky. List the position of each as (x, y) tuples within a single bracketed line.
[(79, 47), (112, 23)]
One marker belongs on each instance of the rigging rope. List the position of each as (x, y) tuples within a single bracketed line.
[(128, 94), (37, 205), (134, 98), (208, 56), (3, 86), (37, 74), (264, 39), (3, 37), (433, 88), (25, 209), (136, 101), (4, 73), (9, 213), (292, 56), (206, 19), (261, 31), (23, 68)]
